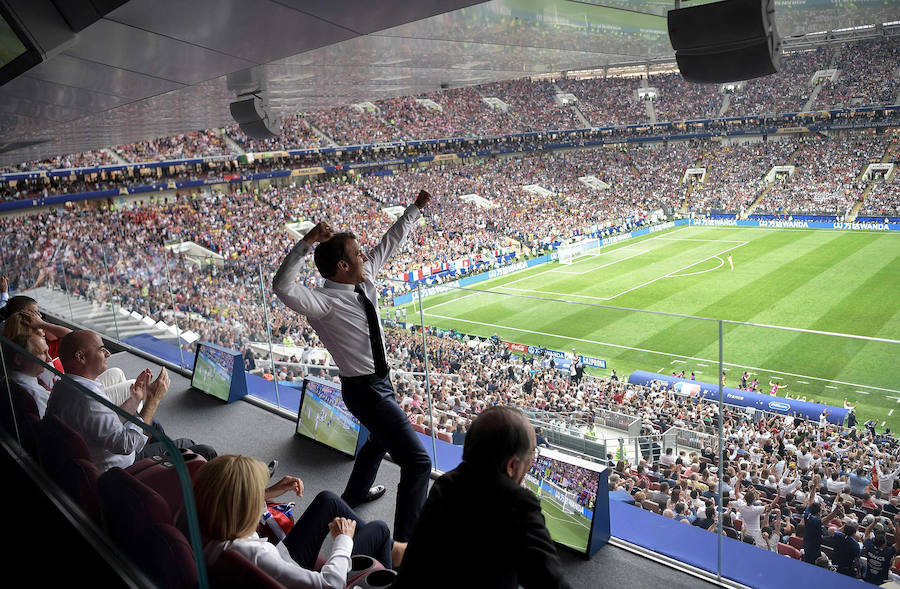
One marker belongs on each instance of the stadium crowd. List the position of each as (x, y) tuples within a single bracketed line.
[(866, 79)]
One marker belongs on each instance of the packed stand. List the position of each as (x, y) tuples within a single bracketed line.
[(735, 175), (187, 145), (348, 126), (679, 100), (826, 179), (607, 102), (533, 103), (787, 91), (867, 76), (295, 134)]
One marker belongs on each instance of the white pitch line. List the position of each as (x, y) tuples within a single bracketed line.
[(661, 369), (677, 271), (704, 365), (802, 382), (694, 358), (677, 362), (865, 393), (558, 271), (435, 306), (830, 387), (692, 239), (721, 263), (891, 412)]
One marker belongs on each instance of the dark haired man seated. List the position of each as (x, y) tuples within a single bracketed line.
[(479, 526)]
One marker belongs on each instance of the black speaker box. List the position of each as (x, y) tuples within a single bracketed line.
[(725, 41)]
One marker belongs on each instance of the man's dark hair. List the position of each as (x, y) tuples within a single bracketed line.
[(14, 305), (496, 435), (329, 253)]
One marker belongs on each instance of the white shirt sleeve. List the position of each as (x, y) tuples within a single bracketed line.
[(290, 574), (392, 239), (296, 296)]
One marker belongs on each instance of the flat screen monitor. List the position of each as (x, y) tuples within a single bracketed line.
[(17, 53), (219, 372), (323, 417), (574, 496)]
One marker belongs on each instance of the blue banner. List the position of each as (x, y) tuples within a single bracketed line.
[(798, 224), (741, 398)]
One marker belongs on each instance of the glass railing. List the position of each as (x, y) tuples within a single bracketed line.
[(647, 385), (57, 435)]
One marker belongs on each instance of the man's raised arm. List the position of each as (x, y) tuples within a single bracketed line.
[(296, 296), (398, 232)]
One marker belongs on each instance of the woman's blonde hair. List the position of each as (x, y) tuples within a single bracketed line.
[(230, 494), (16, 325)]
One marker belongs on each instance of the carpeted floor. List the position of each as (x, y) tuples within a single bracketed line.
[(247, 429)]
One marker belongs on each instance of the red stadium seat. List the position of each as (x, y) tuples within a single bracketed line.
[(232, 570), (419, 428), (445, 437), (788, 550), (796, 542)]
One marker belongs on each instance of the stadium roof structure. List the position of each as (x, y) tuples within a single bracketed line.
[(142, 69)]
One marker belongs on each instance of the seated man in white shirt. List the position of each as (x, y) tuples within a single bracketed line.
[(110, 441), (29, 374)]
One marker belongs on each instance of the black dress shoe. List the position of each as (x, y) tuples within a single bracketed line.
[(374, 493)]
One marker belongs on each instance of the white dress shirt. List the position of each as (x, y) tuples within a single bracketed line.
[(334, 310), (34, 388), (111, 442), (282, 568)]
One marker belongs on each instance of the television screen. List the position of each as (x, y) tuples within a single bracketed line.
[(213, 370), (568, 488), (18, 53), (324, 417)]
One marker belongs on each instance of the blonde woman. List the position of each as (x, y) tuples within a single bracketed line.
[(230, 492)]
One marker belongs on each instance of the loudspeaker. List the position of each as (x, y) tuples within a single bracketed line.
[(252, 115), (725, 41)]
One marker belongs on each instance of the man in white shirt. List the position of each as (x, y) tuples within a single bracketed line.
[(344, 313), (111, 441), (29, 374)]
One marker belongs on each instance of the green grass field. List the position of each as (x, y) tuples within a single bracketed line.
[(823, 280), (569, 529), (333, 435), (211, 378)]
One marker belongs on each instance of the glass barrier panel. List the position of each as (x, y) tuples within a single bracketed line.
[(420, 375), (51, 426)]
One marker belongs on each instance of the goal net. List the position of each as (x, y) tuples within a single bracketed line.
[(572, 252)]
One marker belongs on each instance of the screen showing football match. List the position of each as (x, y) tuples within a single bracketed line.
[(567, 489), (324, 417), (213, 370)]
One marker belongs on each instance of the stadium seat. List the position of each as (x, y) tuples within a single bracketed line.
[(376, 579), (25, 412), (650, 506), (159, 474), (139, 521), (731, 533), (738, 524), (67, 460), (788, 550), (445, 437), (233, 571), (796, 542), (419, 428)]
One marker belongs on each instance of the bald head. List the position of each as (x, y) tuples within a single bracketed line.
[(82, 353), (497, 436)]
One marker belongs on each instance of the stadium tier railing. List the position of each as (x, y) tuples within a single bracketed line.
[(35, 439), (644, 380)]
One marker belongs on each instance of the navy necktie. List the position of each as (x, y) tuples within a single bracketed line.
[(381, 367)]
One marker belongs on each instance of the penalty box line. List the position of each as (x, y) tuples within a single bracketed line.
[(669, 354), (672, 274)]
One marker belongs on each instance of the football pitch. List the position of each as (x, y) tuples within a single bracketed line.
[(566, 528), (828, 281), (330, 432)]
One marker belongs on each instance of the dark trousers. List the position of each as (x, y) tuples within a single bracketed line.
[(304, 541), (371, 400)]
